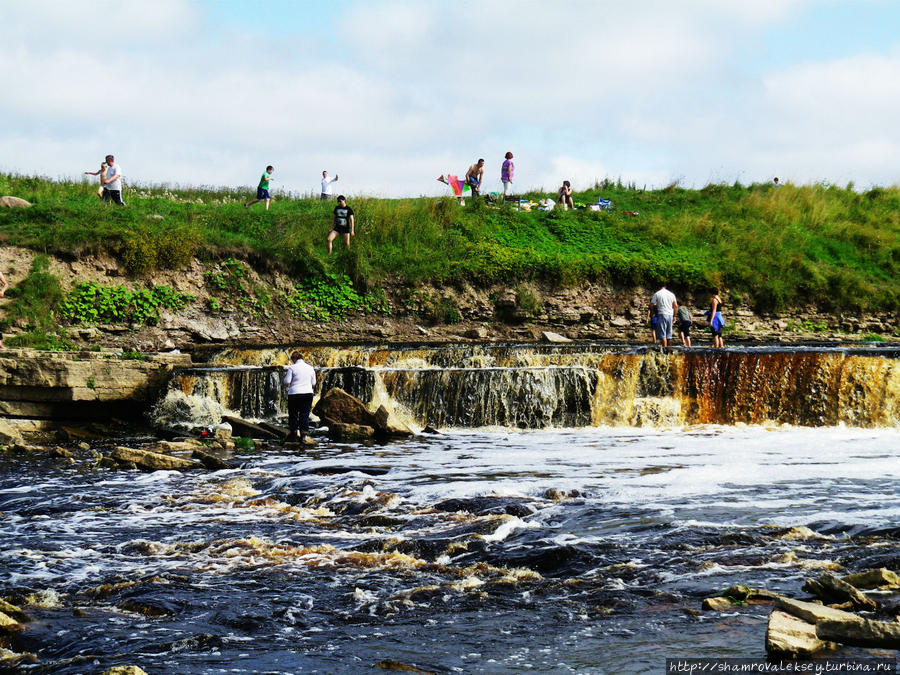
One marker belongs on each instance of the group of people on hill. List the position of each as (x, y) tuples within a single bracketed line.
[(110, 173), (664, 311)]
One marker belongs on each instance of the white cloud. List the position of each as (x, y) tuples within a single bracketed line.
[(646, 91)]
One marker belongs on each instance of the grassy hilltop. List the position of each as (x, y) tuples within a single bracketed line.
[(774, 248)]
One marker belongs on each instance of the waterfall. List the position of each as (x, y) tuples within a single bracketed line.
[(573, 385)]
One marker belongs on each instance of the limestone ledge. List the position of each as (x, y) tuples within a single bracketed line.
[(31, 377)]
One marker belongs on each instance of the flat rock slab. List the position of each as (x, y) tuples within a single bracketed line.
[(882, 579), (790, 637), (153, 461), (349, 433), (861, 633), (831, 589), (241, 427), (554, 338), (811, 612)]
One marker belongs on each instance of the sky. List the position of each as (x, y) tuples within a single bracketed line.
[(389, 94)]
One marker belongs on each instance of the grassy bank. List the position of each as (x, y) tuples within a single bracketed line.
[(774, 248)]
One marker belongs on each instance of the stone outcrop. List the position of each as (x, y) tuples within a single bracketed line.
[(386, 425), (338, 407), (350, 433), (9, 435), (832, 590), (790, 637), (152, 461), (81, 385), (14, 202), (861, 632), (881, 579)]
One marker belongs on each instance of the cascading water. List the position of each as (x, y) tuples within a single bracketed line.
[(539, 386)]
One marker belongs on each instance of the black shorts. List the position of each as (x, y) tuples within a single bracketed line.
[(324, 196), (685, 328), (341, 229), (716, 333)]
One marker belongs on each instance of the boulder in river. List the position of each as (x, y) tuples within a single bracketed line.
[(861, 633), (389, 426), (247, 429), (152, 461), (718, 604), (210, 461), (833, 590), (349, 433), (790, 637), (882, 579), (8, 625), (125, 670), (338, 407)]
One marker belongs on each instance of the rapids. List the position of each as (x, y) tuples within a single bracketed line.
[(580, 550)]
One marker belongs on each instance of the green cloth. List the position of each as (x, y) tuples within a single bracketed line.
[(684, 314), (264, 181)]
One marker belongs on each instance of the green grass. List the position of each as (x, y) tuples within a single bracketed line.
[(774, 248)]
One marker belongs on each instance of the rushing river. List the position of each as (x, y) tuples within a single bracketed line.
[(473, 551)]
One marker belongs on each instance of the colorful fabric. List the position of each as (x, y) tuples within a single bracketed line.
[(507, 171), (456, 185)]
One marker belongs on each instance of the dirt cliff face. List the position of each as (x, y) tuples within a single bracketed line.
[(228, 309)]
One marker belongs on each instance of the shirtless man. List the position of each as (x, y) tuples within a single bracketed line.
[(474, 176)]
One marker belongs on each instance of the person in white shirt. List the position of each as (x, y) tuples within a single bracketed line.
[(326, 185), (112, 182), (666, 304), (300, 379)]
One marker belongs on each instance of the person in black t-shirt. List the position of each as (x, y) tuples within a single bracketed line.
[(342, 223)]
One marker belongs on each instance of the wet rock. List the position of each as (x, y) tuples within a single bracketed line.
[(430, 430), (832, 589), (125, 670), (152, 461), (350, 433), (84, 446), (388, 426), (790, 637), (861, 632), (882, 579), (9, 626), (487, 506), (9, 434), (390, 664), (479, 333), (800, 532), (14, 202), (248, 429), (811, 612), (223, 432), (14, 612), (279, 431), (148, 607), (211, 462), (61, 452), (555, 338), (718, 604), (339, 407), (334, 470)]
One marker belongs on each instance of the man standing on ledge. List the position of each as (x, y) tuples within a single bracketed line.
[(474, 176), (666, 304), (326, 185), (300, 379), (342, 223), (112, 184)]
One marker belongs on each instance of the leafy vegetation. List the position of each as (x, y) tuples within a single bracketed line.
[(774, 247), (332, 297), (92, 303)]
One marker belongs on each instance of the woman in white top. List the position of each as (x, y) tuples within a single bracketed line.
[(300, 379)]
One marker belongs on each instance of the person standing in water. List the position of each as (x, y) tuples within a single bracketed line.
[(300, 379), (666, 304)]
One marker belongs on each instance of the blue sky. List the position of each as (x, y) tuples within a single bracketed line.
[(391, 93)]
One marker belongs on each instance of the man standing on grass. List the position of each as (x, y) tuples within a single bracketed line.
[(112, 184), (326, 185), (666, 304), (300, 379), (262, 191), (342, 223), (474, 176)]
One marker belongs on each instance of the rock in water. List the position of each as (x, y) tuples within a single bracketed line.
[(339, 407), (9, 434), (211, 462), (861, 633), (813, 613), (14, 612), (241, 427), (790, 637), (388, 426), (9, 625), (718, 604), (882, 579), (556, 338), (14, 203), (830, 588), (349, 433), (125, 670), (152, 461)]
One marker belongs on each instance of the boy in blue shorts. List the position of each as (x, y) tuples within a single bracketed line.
[(262, 192)]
